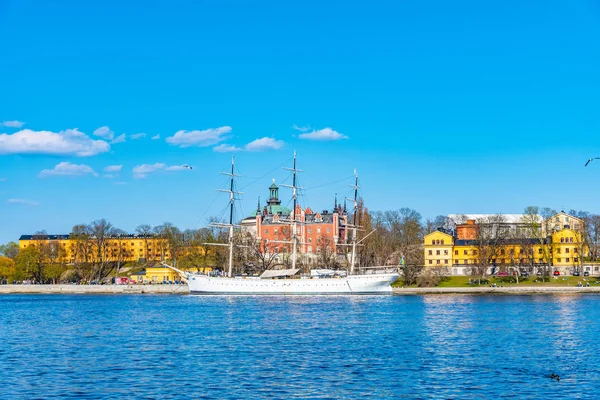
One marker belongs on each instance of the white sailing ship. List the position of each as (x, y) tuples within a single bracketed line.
[(374, 280)]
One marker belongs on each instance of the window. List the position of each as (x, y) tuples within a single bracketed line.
[(310, 249), (445, 252), (562, 240), (318, 230), (567, 250), (576, 259), (309, 230), (328, 230), (438, 261), (430, 252), (558, 259), (275, 230), (310, 241), (442, 241), (465, 252), (445, 261), (430, 261), (571, 240), (540, 251), (433, 242), (437, 252), (502, 252), (474, 252), (575, 250), (455, 252), (266, 231), (567, 259)]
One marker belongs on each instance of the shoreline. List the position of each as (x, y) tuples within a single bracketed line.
[(183, 290), (518, 290), (94, 289)]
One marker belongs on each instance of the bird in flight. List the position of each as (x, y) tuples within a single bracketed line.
[(590, 160)]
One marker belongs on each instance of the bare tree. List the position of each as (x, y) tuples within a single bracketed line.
[(491, 236), (101, 231), (145, 232)]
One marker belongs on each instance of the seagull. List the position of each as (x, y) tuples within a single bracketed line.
[(590, 160), (187, 166)]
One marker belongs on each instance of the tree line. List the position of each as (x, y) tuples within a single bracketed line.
[(387, 238)]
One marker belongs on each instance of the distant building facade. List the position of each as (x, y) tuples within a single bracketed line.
[(508, 243), (271, 226)]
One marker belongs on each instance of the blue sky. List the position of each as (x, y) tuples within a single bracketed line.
[(444, 107)]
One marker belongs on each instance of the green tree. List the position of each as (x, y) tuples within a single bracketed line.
[(10, 250), (7, 268)]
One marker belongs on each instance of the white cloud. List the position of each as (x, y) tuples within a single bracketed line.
[(142, 171), (155, 137), (105, 133), (12, 124), (301, 128), (67, 142), (323, 134), (23, 201), (207, 137), (265, 143), (176, 168), (113, 168), (225, 148), (138, 136), (119, 139), (68, 169)]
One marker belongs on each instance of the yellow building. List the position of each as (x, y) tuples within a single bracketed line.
[(567, 249), (160, 274), (563, 250), (438, 249), (126, 248)]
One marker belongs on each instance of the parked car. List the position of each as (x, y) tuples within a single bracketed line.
[(556, 273), (576, 273), (586, 273), (502, 273)]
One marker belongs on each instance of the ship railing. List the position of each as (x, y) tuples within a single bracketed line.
[(378, 269)]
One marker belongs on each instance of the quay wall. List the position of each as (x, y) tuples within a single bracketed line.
[(499, 290), (95, 289)]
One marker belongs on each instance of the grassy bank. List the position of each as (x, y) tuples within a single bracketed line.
[(463, 282)]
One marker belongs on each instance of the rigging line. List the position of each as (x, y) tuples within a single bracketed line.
[(207, 210), (330, 183), (262, 177)]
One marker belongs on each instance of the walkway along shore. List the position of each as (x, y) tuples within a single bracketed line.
[(94, 289), (499, 290), (183, 289)]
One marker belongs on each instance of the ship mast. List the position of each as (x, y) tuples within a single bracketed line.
[(293, 214), (230, 225), (353, 256)]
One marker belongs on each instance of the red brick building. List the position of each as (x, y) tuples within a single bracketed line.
[(316, 231)]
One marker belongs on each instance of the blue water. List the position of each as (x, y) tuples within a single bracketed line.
[(143, 346)]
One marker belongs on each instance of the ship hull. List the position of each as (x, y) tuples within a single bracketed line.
[(350, 285)]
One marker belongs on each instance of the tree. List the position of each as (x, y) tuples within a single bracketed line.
[(101, 231), (7, 268), (10, 250), (145, 232), (27, 264), (593, 236), (491, 235)]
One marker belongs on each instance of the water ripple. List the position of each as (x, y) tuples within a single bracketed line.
[(299, 347)]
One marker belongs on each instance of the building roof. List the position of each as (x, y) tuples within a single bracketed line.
[(472, 242), (44, 237), (508, 218)]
